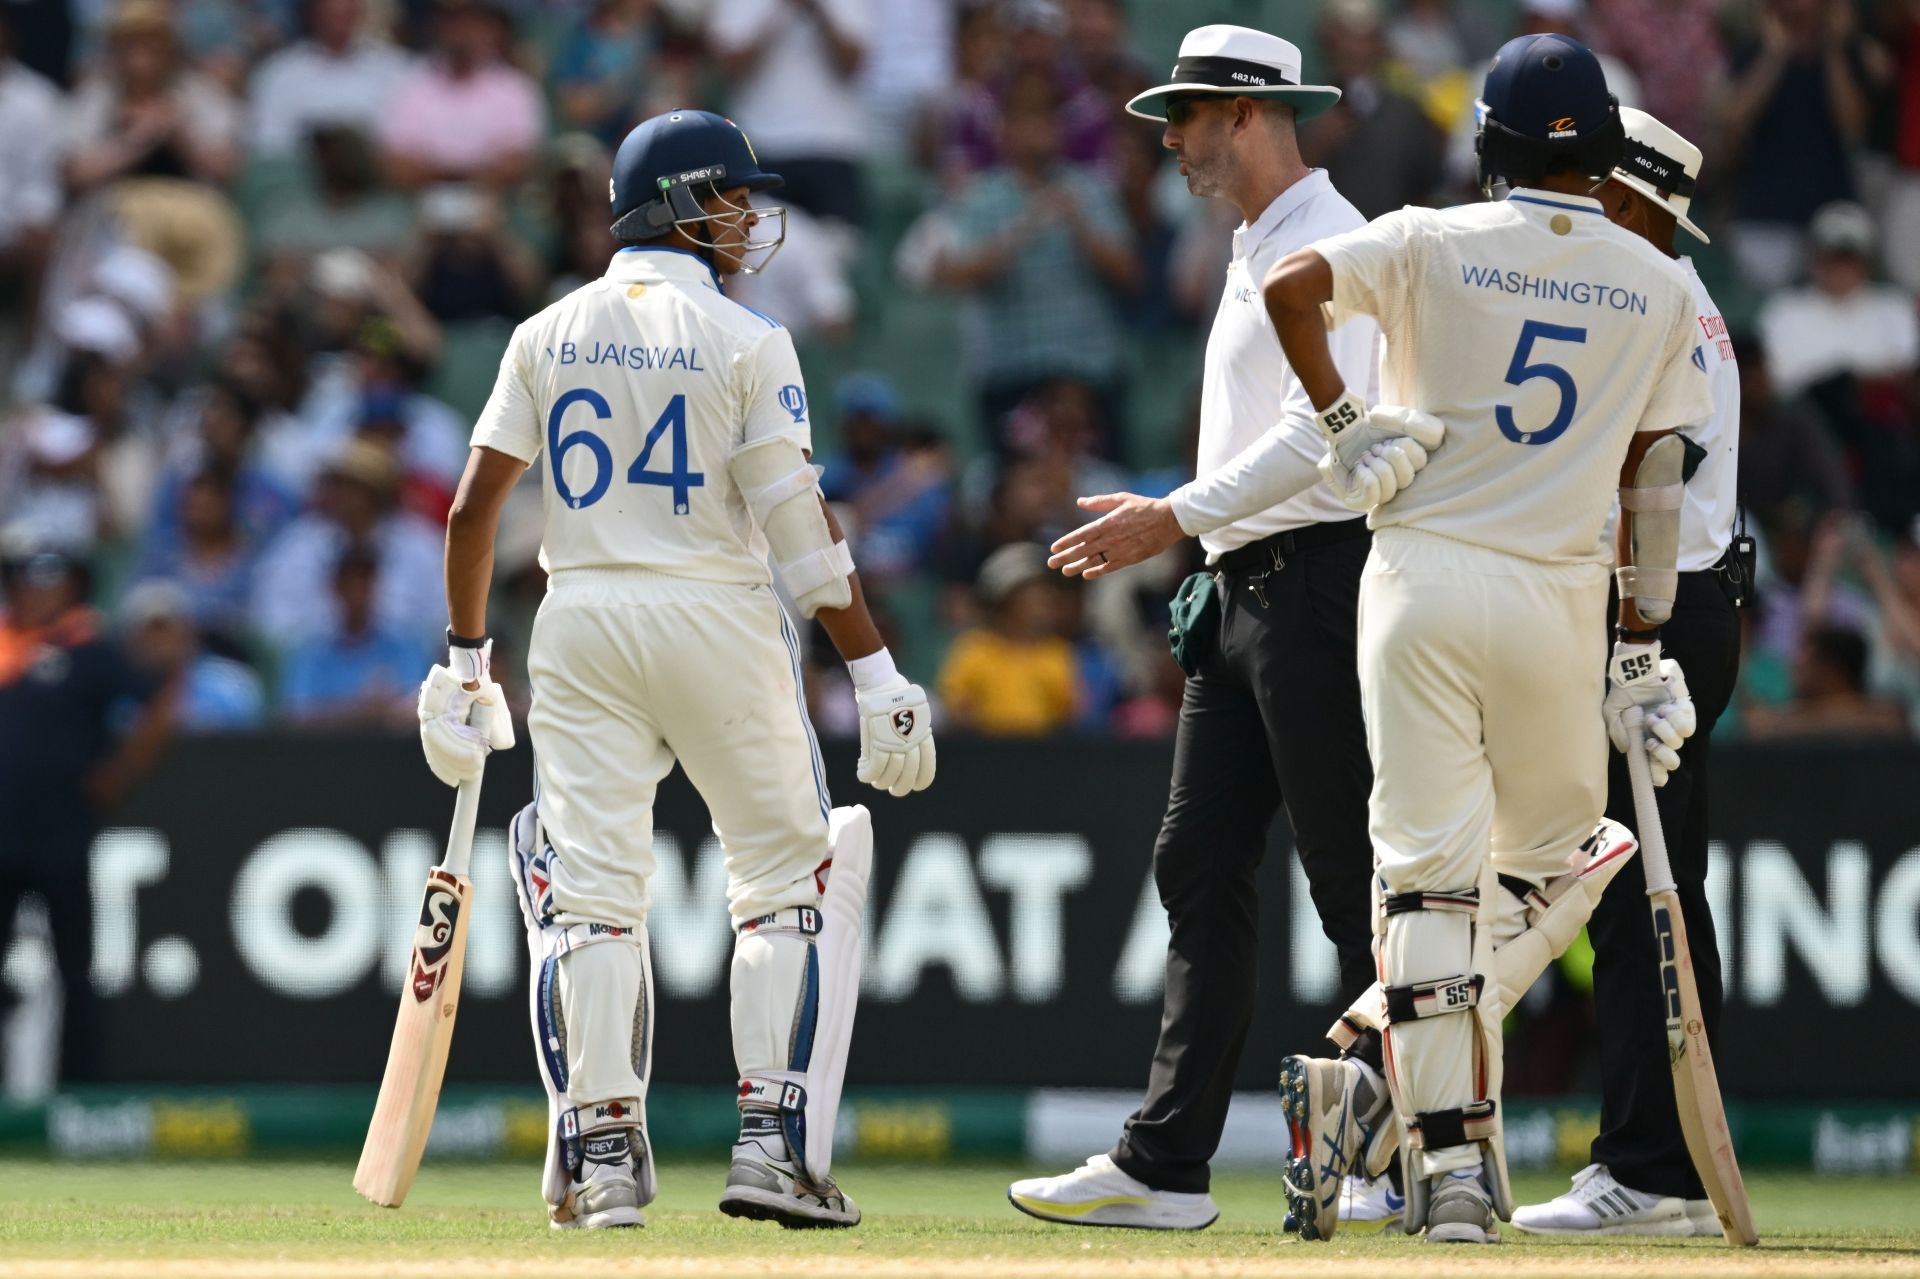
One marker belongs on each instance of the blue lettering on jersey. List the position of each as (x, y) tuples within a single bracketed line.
[(1579, 292), (637, 357), (794, 401)]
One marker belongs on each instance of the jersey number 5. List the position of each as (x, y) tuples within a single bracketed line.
[(673, 417), (1519, 370)]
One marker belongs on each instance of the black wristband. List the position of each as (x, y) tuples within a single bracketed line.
[(461, 641), (1627, 635)]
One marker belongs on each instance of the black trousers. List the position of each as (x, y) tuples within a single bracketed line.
[(1640, 1140), (1272, 717), (64, 880)]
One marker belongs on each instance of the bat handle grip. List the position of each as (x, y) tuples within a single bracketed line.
[(466, 811), (1646, 811)]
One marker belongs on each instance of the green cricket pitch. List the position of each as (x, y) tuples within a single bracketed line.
[(302, 1221)]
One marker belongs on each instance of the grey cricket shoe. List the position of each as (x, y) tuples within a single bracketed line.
[(609, 1194), (1461, 1210), (763, 1184)]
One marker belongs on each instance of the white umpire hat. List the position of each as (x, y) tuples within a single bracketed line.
[(1236, 62), (1661, 165)]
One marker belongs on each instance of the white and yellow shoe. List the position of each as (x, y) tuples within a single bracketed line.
[(1099, 1194), (1599, 1205)]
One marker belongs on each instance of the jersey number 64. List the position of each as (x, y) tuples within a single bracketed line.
[(674, 417)]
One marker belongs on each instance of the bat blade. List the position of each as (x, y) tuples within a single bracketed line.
[(1696, 1087), (422, 1033)]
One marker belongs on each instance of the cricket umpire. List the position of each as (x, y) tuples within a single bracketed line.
[(1641, 1181), (1271, 713)]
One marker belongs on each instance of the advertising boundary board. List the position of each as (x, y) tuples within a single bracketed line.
[(252, 904)]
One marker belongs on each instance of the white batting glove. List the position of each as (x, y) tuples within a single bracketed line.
[(896, 727), (1374, 453), (460, 727), (1638, 676)]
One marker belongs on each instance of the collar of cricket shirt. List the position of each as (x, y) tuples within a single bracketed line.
[(1249, 237), (1555, 201), (661, 261)]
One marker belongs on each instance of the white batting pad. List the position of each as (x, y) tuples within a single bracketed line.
[(592, 1021), (796, 989)]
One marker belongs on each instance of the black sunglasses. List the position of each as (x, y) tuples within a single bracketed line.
[(1180, 108)]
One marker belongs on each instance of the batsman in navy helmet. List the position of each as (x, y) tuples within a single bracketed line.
[(695, 172), (1545, 109), (674, 433), (1557, 349)]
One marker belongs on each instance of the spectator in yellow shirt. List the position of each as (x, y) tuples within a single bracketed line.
[(1015, 676)]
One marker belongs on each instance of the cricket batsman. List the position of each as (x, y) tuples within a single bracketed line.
[(1557, 348), (676, 441)]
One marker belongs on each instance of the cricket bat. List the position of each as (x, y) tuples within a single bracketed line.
[(417, 1061), (1696, 1089)]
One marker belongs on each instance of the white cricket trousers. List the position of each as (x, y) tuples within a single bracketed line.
[(1481, 676), (632, 670)]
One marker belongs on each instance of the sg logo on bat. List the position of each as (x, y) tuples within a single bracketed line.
[(433, 939)]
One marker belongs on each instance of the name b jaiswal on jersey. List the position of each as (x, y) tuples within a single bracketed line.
[(634, 356)]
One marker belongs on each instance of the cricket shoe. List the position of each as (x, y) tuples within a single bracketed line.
[(1099, 1194), (609, 1194), (1370, 1202), (1366, 1203), (1331, 1105), (1460, 1210), (1599, 1205), (765, 1184)]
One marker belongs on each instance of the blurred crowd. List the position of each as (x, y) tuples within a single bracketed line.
[(258, 259)]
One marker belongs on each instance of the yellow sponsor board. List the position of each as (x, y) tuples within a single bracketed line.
[(526, 1128), (200, 1129), (903, 1129)]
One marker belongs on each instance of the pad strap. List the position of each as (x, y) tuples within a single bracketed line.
[(1466, 901), (766, 1093), (1663, 497), (817, 569), (801, 920), (1345, 1032), (1439, 1129), (1432, 998), (789, 486)]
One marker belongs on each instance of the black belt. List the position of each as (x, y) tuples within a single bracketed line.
[(1270, 553)]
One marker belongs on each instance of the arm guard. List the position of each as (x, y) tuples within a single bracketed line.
[(1651, 502), (783, 491)]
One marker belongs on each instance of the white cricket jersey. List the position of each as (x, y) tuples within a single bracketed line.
[(1256, 470), (1543, 336), (639, 388)]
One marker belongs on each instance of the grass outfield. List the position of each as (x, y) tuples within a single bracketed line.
[(303, 1221)]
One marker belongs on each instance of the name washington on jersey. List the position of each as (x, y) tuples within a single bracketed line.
[(1579, 292), (632, 355)]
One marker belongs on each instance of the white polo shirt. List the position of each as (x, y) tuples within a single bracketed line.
[(1706, 521), (639, 388), (1259, 448)]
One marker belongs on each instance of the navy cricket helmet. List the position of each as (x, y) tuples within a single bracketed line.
[(1545, 108), (670, 164)]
